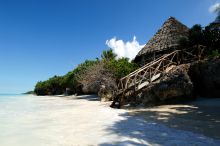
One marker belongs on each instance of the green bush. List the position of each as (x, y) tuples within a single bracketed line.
[(41, 88), (120, 67), (108, 55), (53, 86), (208, 36), (215, 53), (58, 84)]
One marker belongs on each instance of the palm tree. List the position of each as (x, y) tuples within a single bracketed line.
[(108, 55)]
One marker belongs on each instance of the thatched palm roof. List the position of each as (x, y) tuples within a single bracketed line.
[(166, 37)]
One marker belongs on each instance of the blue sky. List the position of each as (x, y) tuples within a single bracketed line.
[(42, 38)]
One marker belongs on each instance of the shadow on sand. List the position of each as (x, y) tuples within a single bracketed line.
[(187, 125), (88, 97), (202, 119)]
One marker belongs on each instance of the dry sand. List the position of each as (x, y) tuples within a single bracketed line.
[(84, 121), (200, 116)]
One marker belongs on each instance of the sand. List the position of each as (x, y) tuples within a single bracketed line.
[(201, 116), (83, 120)]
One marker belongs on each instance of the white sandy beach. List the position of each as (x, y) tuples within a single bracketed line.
[(82, 121)]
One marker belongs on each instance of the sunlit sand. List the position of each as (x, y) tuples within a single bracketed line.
[(83, 120)]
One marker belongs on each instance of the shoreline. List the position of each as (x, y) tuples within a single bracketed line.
[(84, 120), (201, 115), (185, 119)]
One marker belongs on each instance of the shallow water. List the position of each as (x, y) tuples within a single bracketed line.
[(32, 121)]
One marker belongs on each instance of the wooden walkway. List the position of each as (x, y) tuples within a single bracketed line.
[(133, 83)]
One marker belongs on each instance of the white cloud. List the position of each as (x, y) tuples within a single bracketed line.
[(215, 8), (124, 49)]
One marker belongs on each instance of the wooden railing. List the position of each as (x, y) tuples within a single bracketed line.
[(147, 73), (152, 71)]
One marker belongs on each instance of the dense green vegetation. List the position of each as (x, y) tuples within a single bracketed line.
[(58, 84), (53, 86), (120, 67), (208, 36), (71, 81), (108, 55)]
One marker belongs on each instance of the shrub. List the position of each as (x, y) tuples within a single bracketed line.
[(58, 84), (105, 72), (215, 53), (208, 36), (71, 79), (53, 86), (89, 73), (120, 67), (94, 77)]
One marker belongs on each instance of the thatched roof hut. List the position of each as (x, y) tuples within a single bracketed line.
[(165, 40)]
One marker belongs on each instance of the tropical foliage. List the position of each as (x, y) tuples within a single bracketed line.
[(208, 36), (53, 86), (120, 67), (86, 73), (108, 55)]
